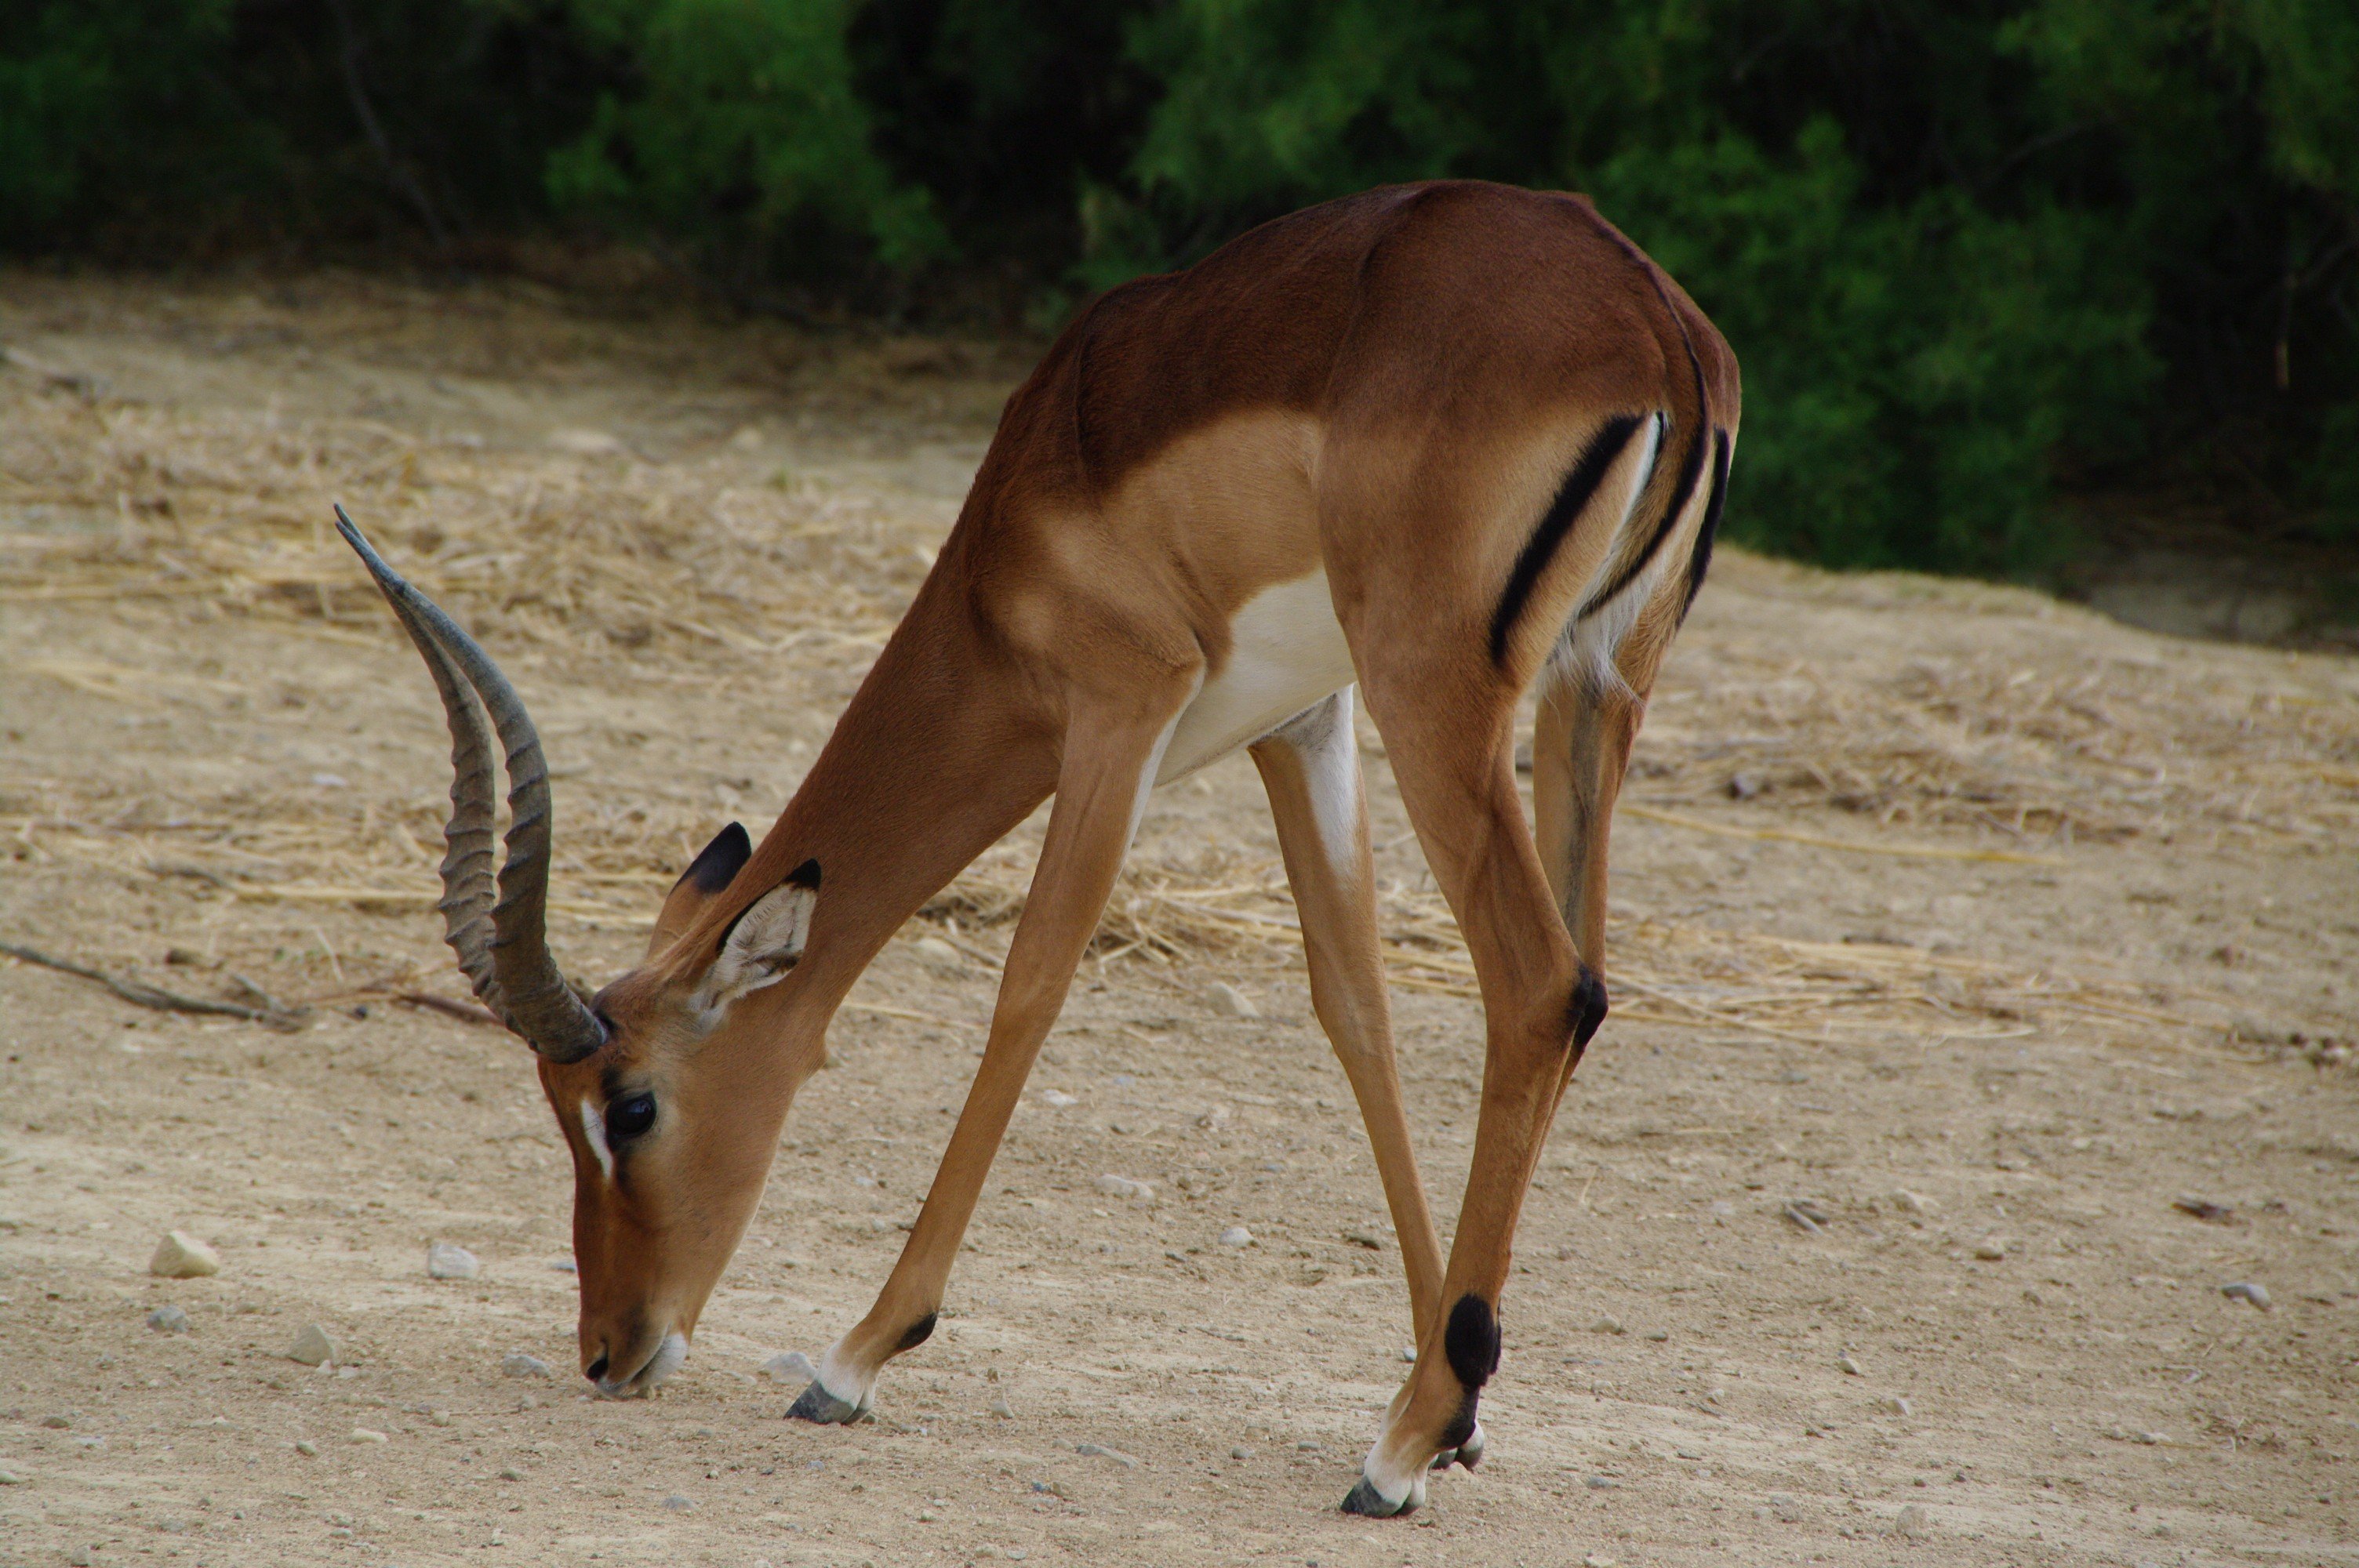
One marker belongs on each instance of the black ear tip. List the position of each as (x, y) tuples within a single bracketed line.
[(805, 875), (718, 863)]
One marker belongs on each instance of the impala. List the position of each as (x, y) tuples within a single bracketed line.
[(1434, 443)]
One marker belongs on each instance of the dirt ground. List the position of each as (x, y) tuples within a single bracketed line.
[(1959, 936)]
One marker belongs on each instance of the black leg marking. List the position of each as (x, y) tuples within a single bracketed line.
[(916, 1334), (1588, 1008), (1471, 1343), (1462, 1426)]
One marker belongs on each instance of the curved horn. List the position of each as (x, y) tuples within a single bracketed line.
[(501, 945)]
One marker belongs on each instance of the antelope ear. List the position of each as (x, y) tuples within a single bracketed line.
[(766, 941), (707, 877)]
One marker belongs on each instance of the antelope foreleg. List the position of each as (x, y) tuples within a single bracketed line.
[(1111, 755)]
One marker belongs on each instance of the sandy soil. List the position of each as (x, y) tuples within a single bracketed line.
[(1978, 928)]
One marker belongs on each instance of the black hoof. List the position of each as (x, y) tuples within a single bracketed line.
[(817, 1405), (1369, 1503)]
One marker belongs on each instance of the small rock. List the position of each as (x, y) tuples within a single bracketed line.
[(2206, 1210), (1912, 1203), (1599, 1559), (57, 1422), (565, 1265), (1236, 1236), (1100, 1451), (938, 955), (517, 1364), (1124, 1188), (1230, 1002), (1241, 1451), (1408, 1354), (366, 1434), (1601, 1482), (998, 1405), (1788, 1511), (168, 1320), (510, 1473), (584, 443), (2252, 1294), (312, 1347), (10, 1478), (1893, 1404), (1912, 1524), (791, 1367), (181, 1256), (309, 1450), (437, 1418), (1991, 1249), (1607, 1326), (678, 1504), (449, 1261), (1309, 1445), (1848, 1363), (1058, 1100), (1658, 1334), (1807, 1217), (1743, 786)]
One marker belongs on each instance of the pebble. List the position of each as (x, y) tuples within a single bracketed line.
[(449, 1261), (1992, 1250), (1058, 1100), (517, 1364), (791, 1367), (1408, 1354), (1599, 1559), (312, 1347), (2247, 1291), (1115, 1186), (1100, 1451), (677, 1503), (309, 1450), (181, 1256), (998, 1405), (1893, 1404), (1658, 1334), (1236, 1236), (1912, 1524), (1241, 1451), (10, 1478), (938, 955), (1607, 1326), (1848, 1363), (510, 1473), (1785, 1507), (57, 1422), (1231, 1002), (565, 1266), (366, 1434), (168, 1320), (1807, 1217), (1601, 1482), (1914, 1202)]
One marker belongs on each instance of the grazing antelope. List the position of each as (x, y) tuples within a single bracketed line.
[(1439, 441)]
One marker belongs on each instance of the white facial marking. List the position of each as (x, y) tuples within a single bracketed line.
[(1322, 736), (593, 1128), (1287, 651)]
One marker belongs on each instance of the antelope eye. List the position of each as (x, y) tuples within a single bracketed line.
[(630, 1116)]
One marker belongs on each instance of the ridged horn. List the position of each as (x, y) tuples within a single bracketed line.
[(502, 943)]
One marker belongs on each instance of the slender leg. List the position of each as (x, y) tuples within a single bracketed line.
[(1581, 750), (1455, 764), (1311, 770), (1109, 766)]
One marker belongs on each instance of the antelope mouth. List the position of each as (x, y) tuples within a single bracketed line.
[(660, 1364)]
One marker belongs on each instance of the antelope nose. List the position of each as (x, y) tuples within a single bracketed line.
[(596, 1370)]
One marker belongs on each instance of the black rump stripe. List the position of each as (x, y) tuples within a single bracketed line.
[(1701, 560), (1572, 498)]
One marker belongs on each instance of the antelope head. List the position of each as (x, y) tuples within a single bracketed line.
[(671, 1083)]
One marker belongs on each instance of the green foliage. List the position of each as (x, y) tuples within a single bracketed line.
[(1980, 257), (744, 129)]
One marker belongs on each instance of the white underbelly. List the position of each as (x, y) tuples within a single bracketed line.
[(1287, 651)]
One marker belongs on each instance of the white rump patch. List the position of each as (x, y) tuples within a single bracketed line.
[(1287, 651), (1589, 646)]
